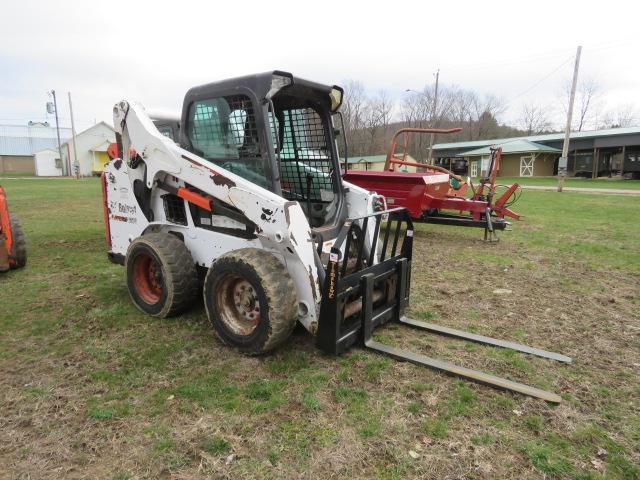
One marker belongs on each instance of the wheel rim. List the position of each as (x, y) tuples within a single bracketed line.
[(238, 305), (147, 275)]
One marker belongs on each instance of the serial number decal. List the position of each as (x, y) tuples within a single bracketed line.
[(332, 279), (122, 218)]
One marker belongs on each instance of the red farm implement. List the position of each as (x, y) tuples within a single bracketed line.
[(436, 195)]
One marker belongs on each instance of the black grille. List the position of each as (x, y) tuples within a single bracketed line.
[(306, 164), (174, 209)]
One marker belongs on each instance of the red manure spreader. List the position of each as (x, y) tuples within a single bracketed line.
[(436, 195)]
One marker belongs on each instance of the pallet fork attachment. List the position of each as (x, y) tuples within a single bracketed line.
[(355, 303)]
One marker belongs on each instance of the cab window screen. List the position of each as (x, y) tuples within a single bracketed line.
[(223, 130), (306, 163)]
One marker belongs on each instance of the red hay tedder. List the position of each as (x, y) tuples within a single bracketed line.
[(432, 190)]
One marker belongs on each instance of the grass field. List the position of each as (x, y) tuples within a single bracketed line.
[(612, 183), (91, 388)]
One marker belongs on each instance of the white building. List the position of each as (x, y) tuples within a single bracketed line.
[(19, 144), (92, 145), (47, 163)]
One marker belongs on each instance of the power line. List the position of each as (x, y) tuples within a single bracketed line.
[(511, 61), (540, 56), (539, 81)]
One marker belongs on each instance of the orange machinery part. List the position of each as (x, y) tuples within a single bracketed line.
[(112, 151), (105, 207), (195, 198), (5, 221), (391, 157)]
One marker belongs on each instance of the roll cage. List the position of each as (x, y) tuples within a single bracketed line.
[(276, 131)]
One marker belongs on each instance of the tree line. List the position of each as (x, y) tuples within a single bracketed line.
[(370, 120)]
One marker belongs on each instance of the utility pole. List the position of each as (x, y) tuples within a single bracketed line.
[(434, 110), (55, 111), (562, 162), (76, 166)]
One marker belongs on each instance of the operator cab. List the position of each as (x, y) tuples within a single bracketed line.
[(168, 125), (275, 131)]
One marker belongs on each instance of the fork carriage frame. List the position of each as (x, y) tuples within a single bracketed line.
[(383, 298), (356, 302)]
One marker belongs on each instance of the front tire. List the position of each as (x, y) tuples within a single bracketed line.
[(250, 300), (19, 246), (161, 275)]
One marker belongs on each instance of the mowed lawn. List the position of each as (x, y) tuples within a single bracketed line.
[(92, 388), (572, 182)]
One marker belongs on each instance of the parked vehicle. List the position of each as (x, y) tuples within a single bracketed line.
[(253, 202)]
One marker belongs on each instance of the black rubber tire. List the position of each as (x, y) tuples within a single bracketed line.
[(19, 246), (275, 291), (179, 276)]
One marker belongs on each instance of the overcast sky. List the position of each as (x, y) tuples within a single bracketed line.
[(104, 51)]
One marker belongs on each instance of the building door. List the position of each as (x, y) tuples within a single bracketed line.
[(526, 166), (484, 166), (474, 169), (100, 159)]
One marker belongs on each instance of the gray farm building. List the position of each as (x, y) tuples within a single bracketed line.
[(20, 144), (592, 154)]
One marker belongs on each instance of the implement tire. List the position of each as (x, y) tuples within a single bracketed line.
[(250, 300), (19, 247), (161, 275)]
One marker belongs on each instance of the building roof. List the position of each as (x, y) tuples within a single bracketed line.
[(26, 140), (512, 146), (606, 132), (99, 138), (102, 147)]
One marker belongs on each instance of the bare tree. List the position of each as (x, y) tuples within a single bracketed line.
[(485, 113), (377, 117), (415, 108), (622, 116), (590, 90), (587, 102), (534, 118), (354, 111), (415, 111), (354, 101), (369, 120), (384, 105)]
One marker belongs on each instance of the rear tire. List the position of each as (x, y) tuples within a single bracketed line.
[(161, 275), (250, 300), (19, 247)]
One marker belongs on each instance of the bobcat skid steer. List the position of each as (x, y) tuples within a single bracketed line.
[(249, 210)]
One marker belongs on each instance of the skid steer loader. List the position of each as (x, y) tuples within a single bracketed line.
[(13, 244), (249, 210)]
